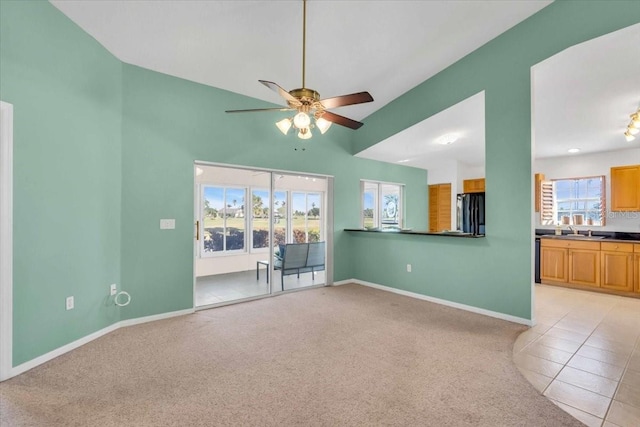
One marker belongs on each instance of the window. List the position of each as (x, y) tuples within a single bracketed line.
[(223, 219), (573, 201), (381, 205), (259, 219), (306, 217), (280, 217)]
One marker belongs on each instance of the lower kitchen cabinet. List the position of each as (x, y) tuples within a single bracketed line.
[(553, 263), (584, 267), (636, 267), (616, 261)]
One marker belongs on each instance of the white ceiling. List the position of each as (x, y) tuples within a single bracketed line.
[(384, 47), (419, 143), (583, 96)]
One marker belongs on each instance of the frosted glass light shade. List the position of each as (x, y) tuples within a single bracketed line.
[(323, 125), (305, 133), (284, 125), (301, 120), (629, 137), (633, 130)]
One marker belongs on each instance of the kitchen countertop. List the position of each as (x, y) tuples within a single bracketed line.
[(421, 233), (603, 236)]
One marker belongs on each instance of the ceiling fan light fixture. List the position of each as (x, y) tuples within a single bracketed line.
[(284, 125), (305, 133), (301, 120), (635, 119), (633, 130), (628, 136), (323, 125)]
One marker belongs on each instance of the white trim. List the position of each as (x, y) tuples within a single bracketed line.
[(87, 339), (343, 282), (6, 240), (465, 307)]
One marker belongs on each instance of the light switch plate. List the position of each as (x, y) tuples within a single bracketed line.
[(167, 224), (70, 303)]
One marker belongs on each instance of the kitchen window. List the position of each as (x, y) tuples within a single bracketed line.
[(573, 201), (381, 205)]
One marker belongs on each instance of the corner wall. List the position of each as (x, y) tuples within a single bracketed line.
[(168, 123), (492, 273), (66, 92)]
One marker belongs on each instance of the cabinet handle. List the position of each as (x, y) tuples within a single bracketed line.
[(197, 230)]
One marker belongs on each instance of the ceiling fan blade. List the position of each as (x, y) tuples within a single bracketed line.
[(341, 120), (341, 101), (254, 110), (283, 93)]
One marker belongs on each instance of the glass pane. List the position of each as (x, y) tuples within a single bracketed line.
[(234, 219), (299, 206), (260, 218), (314, 208), (578, 201), (562, 190), (280, 217), (213, 221), (369, 203), (390, 207)]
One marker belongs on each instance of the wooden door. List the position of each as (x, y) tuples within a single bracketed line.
[(439, 207)]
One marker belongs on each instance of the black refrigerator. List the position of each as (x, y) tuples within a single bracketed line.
[(470, 212)]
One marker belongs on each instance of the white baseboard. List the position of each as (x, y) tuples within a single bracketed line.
[(17, 370), (465, 307), (342, 282)]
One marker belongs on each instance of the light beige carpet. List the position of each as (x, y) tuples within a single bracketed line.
[(341, 356)]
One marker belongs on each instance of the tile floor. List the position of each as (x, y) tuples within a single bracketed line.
[(584, 354), (221, 288)]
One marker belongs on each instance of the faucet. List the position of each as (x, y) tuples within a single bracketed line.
[(572, 228)]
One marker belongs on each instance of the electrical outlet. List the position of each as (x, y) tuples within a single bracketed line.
[(113, 289), (70, 303), (408, 268)]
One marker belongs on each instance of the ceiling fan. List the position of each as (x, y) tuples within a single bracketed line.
[(308, 104)]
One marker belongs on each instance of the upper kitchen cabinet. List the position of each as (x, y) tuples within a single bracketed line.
[(625, 188)]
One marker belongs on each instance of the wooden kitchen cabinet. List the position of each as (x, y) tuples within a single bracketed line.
[(554, 265), (473, 185), (616, 261), (625, 188), (584, 266), (538, 178), (570, 261), (439, 207)]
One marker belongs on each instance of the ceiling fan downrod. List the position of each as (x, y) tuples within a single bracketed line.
[(304, 37)]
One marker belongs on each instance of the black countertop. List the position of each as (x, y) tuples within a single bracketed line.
[(609, 235), (420, 233)]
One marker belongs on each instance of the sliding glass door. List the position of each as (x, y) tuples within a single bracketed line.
[(246, 221)]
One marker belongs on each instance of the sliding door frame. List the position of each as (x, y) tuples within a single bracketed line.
[(329, 223)]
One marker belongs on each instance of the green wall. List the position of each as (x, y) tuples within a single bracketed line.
[(493, 273), (169, 123), (104, 150), (66, 92)]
